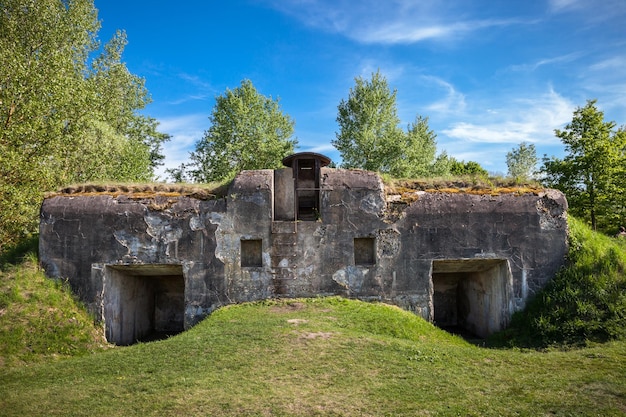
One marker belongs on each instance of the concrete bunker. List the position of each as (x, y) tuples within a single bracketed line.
[(143, 302), (158, 262), (471, 297)]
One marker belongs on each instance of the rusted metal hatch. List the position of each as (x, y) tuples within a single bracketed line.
[(306, 173)]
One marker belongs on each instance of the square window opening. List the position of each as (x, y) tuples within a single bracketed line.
[(251, 253), (364, 251)]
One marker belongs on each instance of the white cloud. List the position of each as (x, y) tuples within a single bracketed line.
[(527, 119), (610, 64), (321, 148), (604, 80), (486, 135), (402, 32), (190, 97), (546, 62), (389, 22), (413, 31), (592, 12), (392, 71), (202, 90), (185, 131), (452, 103), (559, 5), (196, 81)]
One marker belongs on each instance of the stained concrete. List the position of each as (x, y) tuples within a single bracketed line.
[(492, 251)]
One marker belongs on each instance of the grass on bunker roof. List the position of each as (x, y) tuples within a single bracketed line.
[(406, 188), (323, 356), (206, 191)]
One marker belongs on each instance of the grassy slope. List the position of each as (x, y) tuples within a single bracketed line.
[(40, 319)]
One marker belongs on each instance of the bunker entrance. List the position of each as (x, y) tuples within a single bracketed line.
[(143, 302), (471, 296)]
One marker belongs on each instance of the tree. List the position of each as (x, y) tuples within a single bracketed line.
[(592, 173), (467, 168), (248, 131), (522, 161), (370, 138), (416, 154), (65, 116)]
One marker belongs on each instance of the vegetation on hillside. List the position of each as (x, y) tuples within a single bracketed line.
[(327, 356), (40, 318), (585, 302)]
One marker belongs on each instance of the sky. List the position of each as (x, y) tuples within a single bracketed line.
[(488, 74)]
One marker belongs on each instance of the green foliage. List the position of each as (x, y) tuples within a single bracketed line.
[(416, 154), (461, 168), (369, 137), (585, 302), (593, 173), (17, 252), (522, 161), (248, 131), (65, 118)]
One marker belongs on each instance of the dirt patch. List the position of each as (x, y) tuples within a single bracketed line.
[(297, 321), (315, 335), (288, 307)]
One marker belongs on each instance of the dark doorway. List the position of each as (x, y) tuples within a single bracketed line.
[(471, 296), (307, 189), (143, 302), (305, 168)]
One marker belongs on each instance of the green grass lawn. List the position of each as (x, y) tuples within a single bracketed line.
[(326, 356)]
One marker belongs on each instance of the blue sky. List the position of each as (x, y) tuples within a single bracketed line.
[(488, 74)]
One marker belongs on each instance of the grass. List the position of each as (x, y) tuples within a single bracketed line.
[(40, 318), (404, 188), (406, 191), (207, 191), (327, 356)]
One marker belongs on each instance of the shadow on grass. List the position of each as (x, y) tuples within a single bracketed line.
[(15, 254)]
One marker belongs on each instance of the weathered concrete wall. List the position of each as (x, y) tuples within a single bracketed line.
[(525, 235)]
